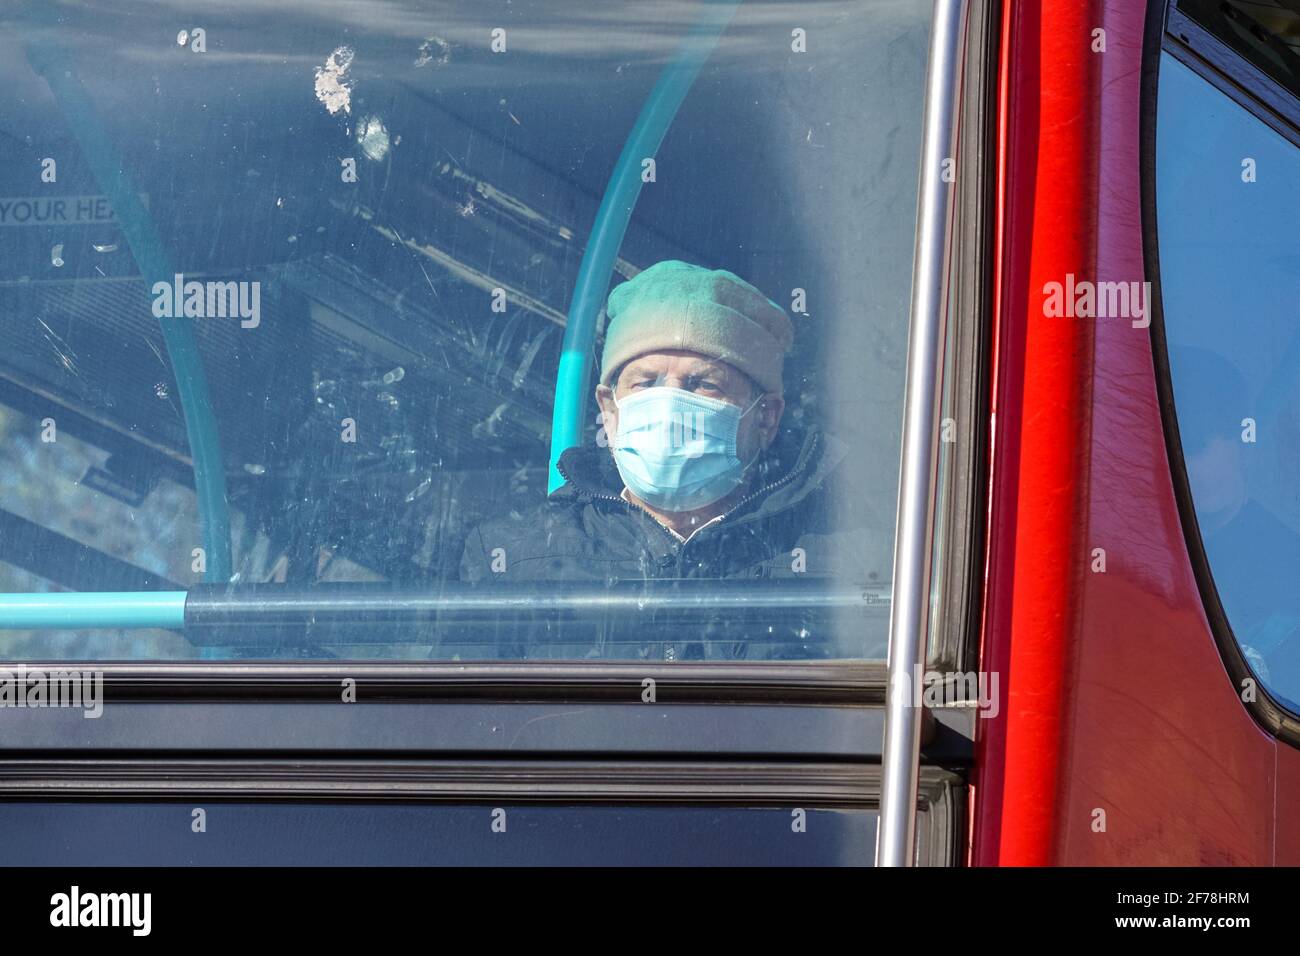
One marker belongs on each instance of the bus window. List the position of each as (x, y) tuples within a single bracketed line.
[(286, 300), (1230, 278)]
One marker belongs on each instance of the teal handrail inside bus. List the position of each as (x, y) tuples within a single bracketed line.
[(57, 69), (75, 610), (573, 378), (235, 616)]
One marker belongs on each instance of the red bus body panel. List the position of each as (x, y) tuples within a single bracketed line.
[(1121, 738)]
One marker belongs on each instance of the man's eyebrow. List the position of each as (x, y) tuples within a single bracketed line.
[(708, 368), (704, 370), (635, 369)]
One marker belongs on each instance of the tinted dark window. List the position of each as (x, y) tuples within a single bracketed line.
[(302, 834)]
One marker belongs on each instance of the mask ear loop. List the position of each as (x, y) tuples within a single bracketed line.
[(761, 396), (758, 454)]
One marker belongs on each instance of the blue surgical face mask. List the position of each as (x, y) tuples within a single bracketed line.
[(676, 450)]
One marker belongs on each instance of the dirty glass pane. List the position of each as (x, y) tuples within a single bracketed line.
[(285, 288), (1230, 278)]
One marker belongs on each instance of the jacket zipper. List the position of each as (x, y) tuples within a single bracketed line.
[(771, 486), (669, 649), (627, 506)]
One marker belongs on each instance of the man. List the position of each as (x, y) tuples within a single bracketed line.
[(695, 478)]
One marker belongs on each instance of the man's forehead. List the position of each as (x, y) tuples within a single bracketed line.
[(685, 363)]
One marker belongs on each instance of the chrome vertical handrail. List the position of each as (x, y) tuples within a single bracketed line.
[(910, 612)]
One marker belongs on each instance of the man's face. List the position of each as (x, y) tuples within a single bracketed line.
[(709, 377), (1218, 479)]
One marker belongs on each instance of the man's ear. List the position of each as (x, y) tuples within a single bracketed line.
[(608, 410), (770, 409)]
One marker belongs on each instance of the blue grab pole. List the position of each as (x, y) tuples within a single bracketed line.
[(612, 218), (151, 257), (87, 609)]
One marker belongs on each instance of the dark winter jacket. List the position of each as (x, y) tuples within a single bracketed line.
[(786, 528)]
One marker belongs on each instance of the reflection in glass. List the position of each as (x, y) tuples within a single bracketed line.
[(1230, 278), (405, 202)]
